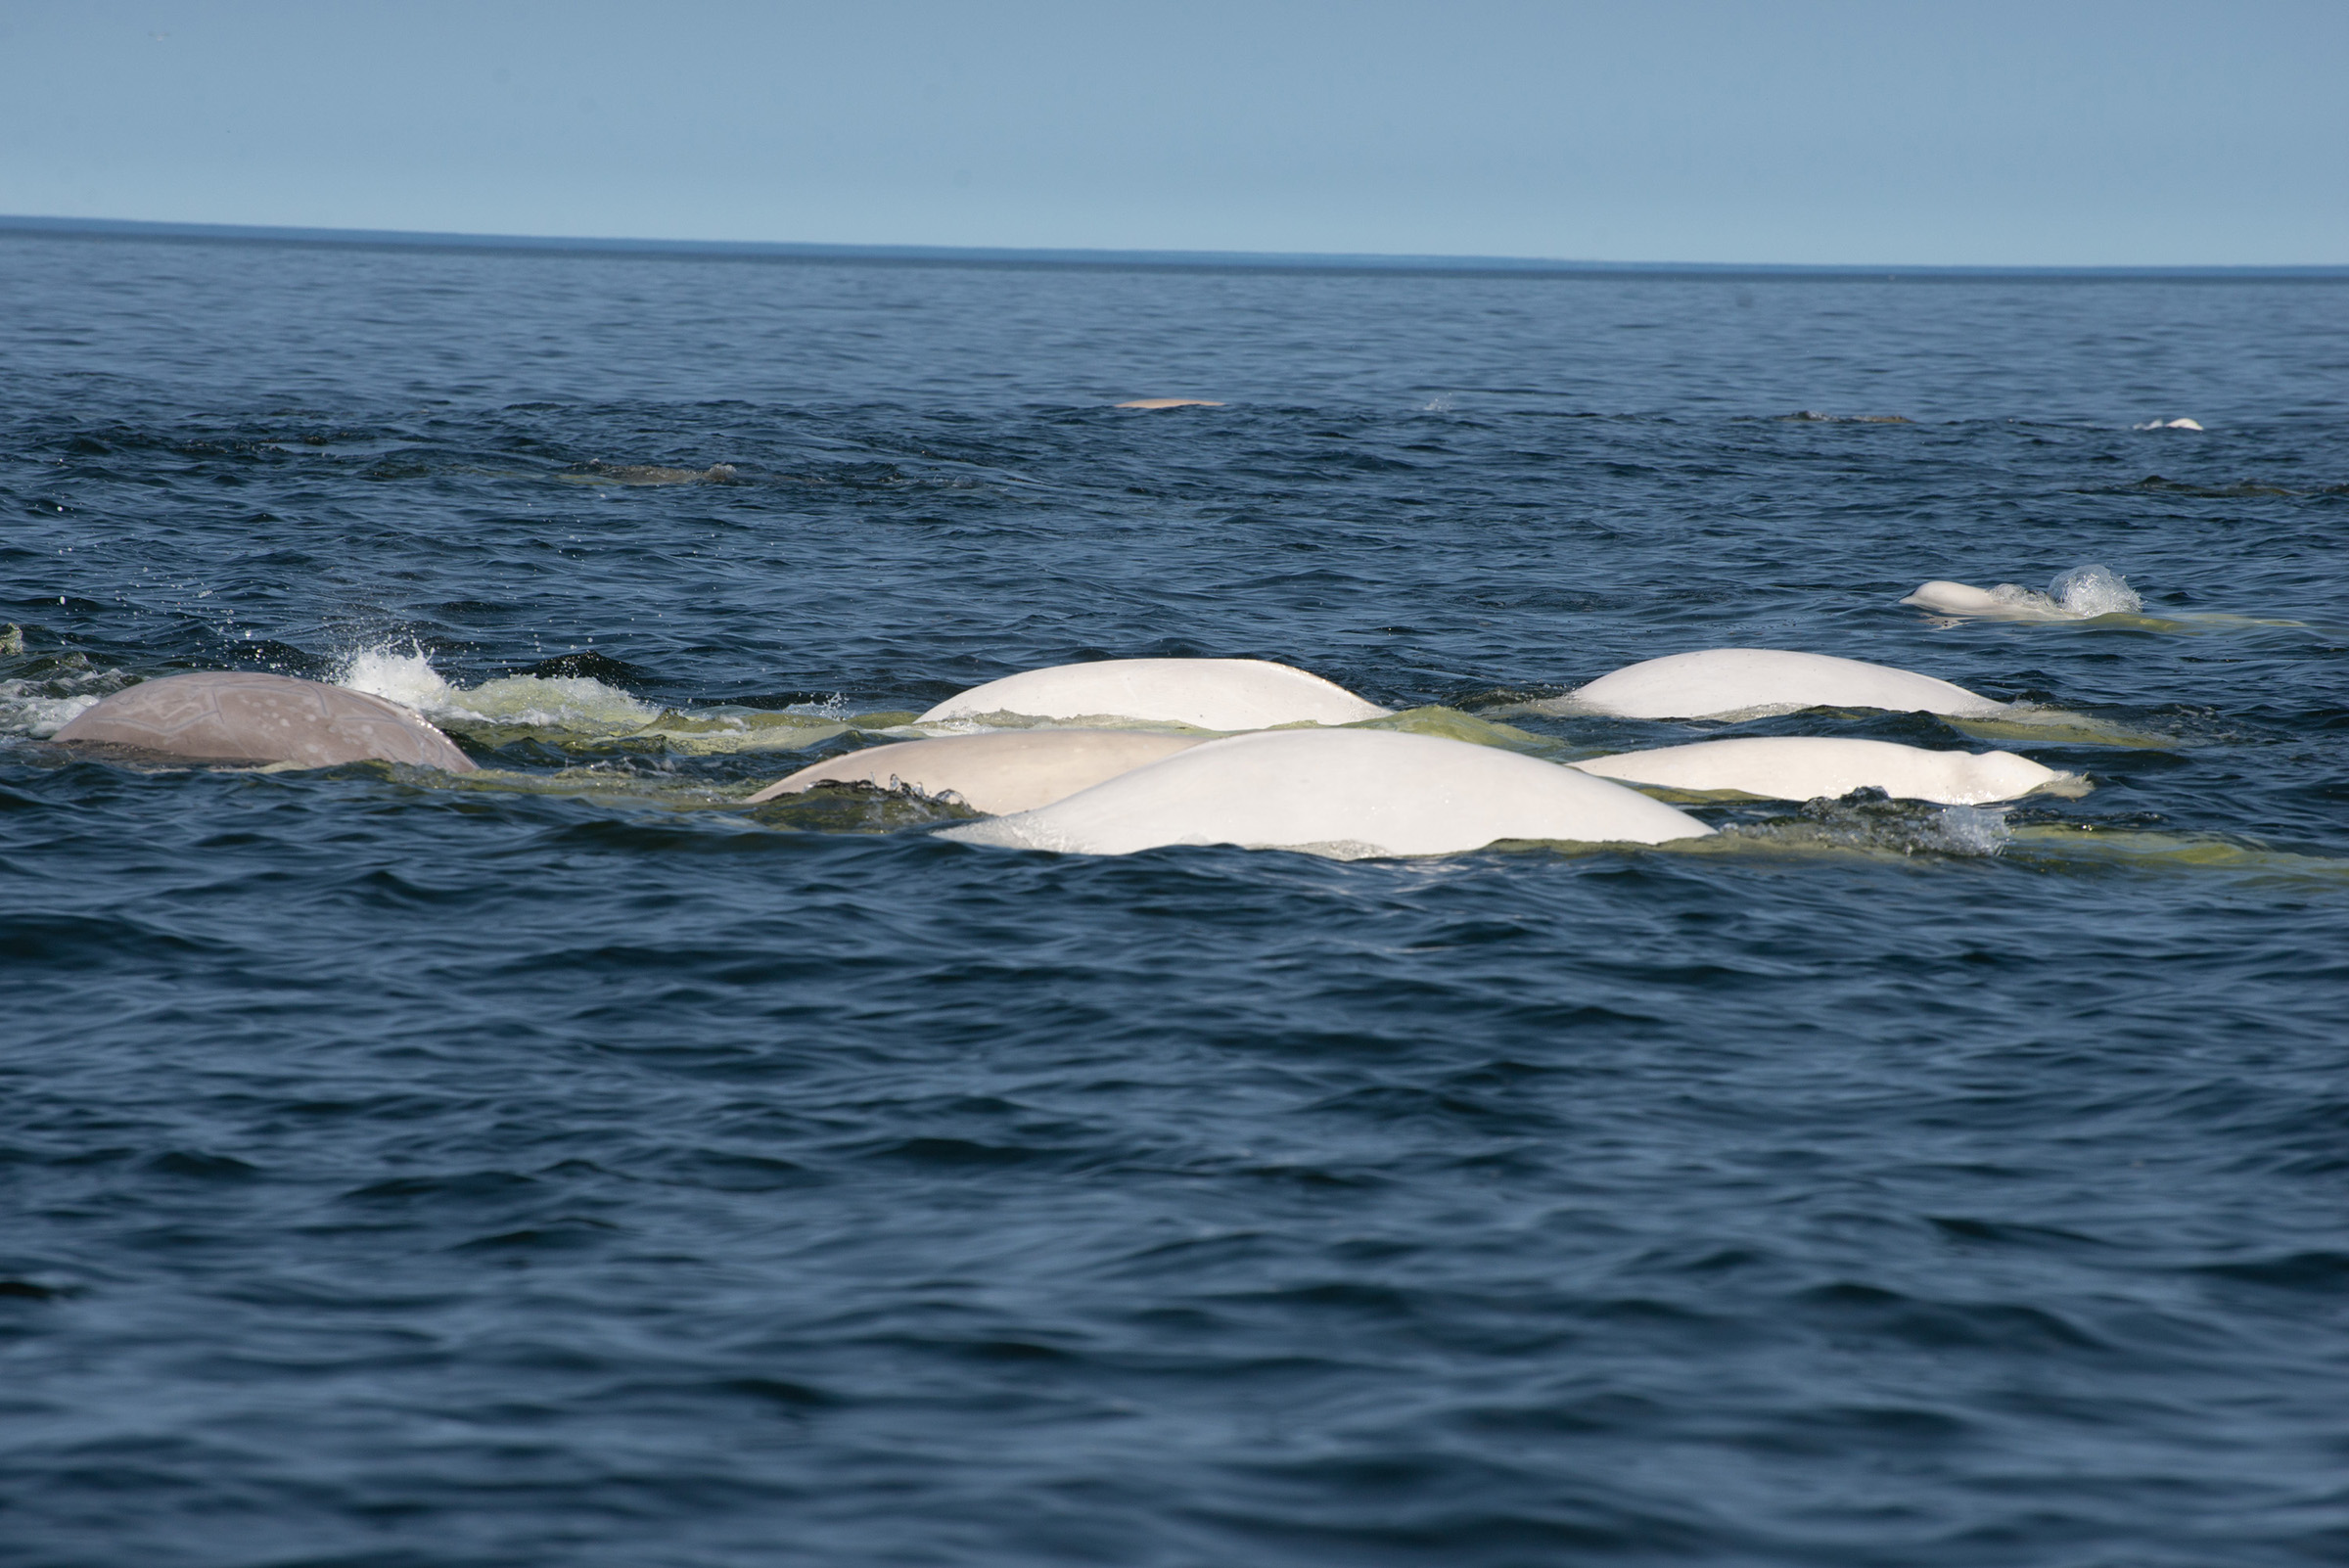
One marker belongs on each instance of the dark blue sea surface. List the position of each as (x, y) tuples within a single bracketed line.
[(570, 1164)]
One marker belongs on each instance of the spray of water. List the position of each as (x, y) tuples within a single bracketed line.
[(578, 703)]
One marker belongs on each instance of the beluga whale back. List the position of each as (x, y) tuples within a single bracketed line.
[(1345, 792), (1008, 771), (240, 715), (1943, 597), (1805, 767), (1221, 694), (1720, 682)]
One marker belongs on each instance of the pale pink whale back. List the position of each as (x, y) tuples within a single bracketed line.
[(234, 716)]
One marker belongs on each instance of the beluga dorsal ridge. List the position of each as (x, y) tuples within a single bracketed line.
[(238, 715), (1345, 792), (1219, 694), (1942, 597), (1727, 683), (1008, 771), (1806, 768)]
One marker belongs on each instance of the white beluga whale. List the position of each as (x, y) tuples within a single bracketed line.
[(1009, 771), (1946, 598), (236, 715), (2080, 594), (1345, 792), (1721, 682), (1804, 767), (1221, 694)]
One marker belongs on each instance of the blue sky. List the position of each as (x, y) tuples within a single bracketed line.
[(2063, 133)]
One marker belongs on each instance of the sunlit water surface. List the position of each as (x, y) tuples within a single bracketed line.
[(566, 1164)]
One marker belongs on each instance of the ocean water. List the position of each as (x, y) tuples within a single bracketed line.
[(567, 1164)]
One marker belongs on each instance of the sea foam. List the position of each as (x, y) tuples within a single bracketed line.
[(575, 702), (578, 713)]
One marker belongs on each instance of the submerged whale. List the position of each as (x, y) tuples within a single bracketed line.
[(1351, 792), (1719, 682), (237, 715), (1011, 771), (650, 474), (1227, 694), (1803, 767)]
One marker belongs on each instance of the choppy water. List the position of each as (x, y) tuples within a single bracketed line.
[(565, 1165)]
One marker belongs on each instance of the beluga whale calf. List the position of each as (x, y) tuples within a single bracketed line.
[(1349, 793), (1009, 771), (1220, 694), (240, 715), (1729, 682), (1805, 767)]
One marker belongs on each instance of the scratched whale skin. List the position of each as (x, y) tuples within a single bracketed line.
[(247, 716)]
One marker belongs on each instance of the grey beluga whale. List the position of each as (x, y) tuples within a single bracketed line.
[(1219, 694), (246, 716), (1345, 792), (1008, 771)]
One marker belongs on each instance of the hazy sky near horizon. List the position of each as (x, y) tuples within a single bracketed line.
[(2078, 132)]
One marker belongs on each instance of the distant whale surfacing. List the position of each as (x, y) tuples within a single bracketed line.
[(234, 716), (1012, 770), (1717, 682), (1347, 792), (2080, 594), (1222, 694), (1803, 767)]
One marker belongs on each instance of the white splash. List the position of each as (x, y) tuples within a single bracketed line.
[(408, 679), (1967, 830), (2094, 590), (26, 711), (38, 706), (580, 712), (575, 703)]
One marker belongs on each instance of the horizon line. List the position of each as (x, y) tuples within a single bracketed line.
[(1107, 260)]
